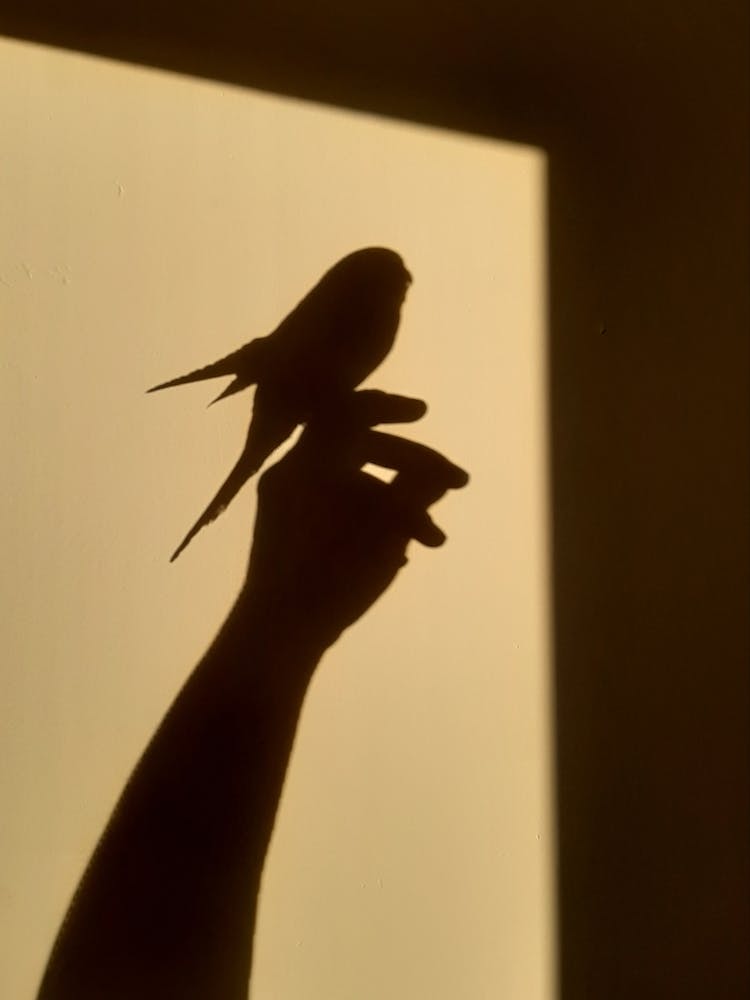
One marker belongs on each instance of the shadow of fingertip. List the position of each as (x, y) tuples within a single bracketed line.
[(433, 538), (416, 409)]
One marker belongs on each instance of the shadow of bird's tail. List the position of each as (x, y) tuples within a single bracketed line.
[(269, 427), (246, 466)]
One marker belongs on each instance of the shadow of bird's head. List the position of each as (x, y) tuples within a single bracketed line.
[(374, 277), (342, 330)]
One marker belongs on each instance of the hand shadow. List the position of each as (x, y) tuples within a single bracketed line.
[(166, 908)]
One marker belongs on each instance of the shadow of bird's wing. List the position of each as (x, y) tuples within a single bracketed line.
[(245, 363)]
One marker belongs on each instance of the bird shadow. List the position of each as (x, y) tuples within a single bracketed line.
[(167, 905)]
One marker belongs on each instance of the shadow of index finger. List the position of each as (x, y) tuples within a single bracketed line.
[(366, 408), (374, 406)]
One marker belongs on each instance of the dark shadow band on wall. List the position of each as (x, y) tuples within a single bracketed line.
[(643, 113)]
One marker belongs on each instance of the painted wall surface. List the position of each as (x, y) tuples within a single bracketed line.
[(150, 224)]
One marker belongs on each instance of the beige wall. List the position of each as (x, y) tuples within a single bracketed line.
[(152, 223)]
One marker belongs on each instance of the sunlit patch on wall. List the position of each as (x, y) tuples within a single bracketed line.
[(151, 223)]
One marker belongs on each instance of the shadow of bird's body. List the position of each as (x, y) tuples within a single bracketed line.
[(330, 342)]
